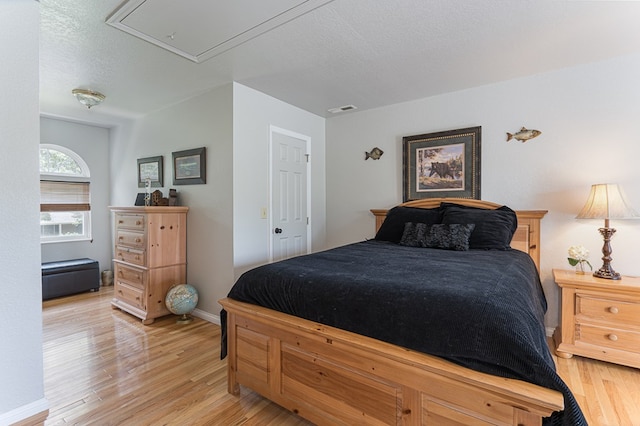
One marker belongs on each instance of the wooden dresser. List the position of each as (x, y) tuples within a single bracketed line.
[(600, 318), (150, 257)]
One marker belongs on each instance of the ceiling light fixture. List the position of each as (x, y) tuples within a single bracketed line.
[(88, 98)]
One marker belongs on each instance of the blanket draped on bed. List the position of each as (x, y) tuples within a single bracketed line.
[(482, 309)]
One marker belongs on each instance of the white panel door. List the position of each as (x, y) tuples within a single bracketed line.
[(289, 174)]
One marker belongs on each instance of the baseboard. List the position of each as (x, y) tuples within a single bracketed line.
[(550, 331), (31, 414), (215, 319)]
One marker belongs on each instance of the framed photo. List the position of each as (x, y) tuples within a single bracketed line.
[(190, 167), (442, 164), (150, 168)]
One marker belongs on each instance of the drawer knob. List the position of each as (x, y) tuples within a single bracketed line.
[(613, 310), (612, 337), (121, 221), (138, 222)]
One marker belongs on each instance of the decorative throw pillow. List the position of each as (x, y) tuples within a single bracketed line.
[(414, 234), (494, 228), (451, 237), (448, 237), (393, 225)]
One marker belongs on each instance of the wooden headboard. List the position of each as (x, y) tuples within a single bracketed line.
[(526, 237)]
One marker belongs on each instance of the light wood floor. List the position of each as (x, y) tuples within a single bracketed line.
[(103, 367)]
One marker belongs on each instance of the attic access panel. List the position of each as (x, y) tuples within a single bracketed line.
[(201, 29)]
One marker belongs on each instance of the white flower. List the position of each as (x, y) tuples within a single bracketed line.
[(578, 253)]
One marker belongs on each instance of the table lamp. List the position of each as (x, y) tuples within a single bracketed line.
[(606, 202)]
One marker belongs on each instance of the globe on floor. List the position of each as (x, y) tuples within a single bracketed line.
[(181, 300)]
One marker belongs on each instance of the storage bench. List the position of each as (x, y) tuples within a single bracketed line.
[(67, 277)]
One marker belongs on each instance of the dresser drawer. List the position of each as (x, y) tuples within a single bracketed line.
[(130, 239), (132, 276), (628, 341), (130, 295), (625, 313), (130, 221), (129, 255)]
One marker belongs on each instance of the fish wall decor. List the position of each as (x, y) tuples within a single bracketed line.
[(375, 154), (523, 135)]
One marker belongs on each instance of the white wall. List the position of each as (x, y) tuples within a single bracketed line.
[(203, 121), (21, 362), (92, 144), (225, 232), (588, 116), (253, 114)]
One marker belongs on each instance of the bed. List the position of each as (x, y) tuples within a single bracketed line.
[(386, 331)]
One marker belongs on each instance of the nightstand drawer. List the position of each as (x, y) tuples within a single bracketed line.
[(131, 221), (137, 257), (132, 276), (620, 312), (608, 337), (130, 239)]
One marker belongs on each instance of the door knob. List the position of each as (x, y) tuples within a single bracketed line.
[(278, 231)]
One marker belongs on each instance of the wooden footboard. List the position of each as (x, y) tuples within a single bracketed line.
[(331, 376)]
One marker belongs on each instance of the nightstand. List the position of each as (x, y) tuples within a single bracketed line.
[(600, 318)]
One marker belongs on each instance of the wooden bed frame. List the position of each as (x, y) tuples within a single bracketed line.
[(332, 376)]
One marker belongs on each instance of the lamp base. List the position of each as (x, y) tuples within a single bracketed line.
[(609, 274), (606, 271)]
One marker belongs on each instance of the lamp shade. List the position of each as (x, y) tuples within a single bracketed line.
[(606, 201)]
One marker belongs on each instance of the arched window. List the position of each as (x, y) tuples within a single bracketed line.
[(65, 197), (58, 161)]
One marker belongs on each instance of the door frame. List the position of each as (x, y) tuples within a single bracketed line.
[(307, 139)]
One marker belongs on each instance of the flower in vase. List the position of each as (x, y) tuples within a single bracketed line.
[(578, 257)]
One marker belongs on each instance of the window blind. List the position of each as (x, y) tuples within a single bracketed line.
[(58, 196)]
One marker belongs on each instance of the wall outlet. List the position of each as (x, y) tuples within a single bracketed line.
[(263, 213)]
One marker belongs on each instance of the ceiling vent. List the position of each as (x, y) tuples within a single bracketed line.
[(201, 29), (342, 109)]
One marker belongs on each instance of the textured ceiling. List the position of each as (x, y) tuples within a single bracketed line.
[(368, 53)]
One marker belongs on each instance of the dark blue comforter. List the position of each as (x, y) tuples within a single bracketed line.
[(482, 309)]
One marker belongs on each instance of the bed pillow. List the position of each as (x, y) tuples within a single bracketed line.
[(448, 237), (393, 226), (494, 229)]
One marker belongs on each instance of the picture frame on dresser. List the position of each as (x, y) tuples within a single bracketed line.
[(190, 166), (151, 168), (442, 164)]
